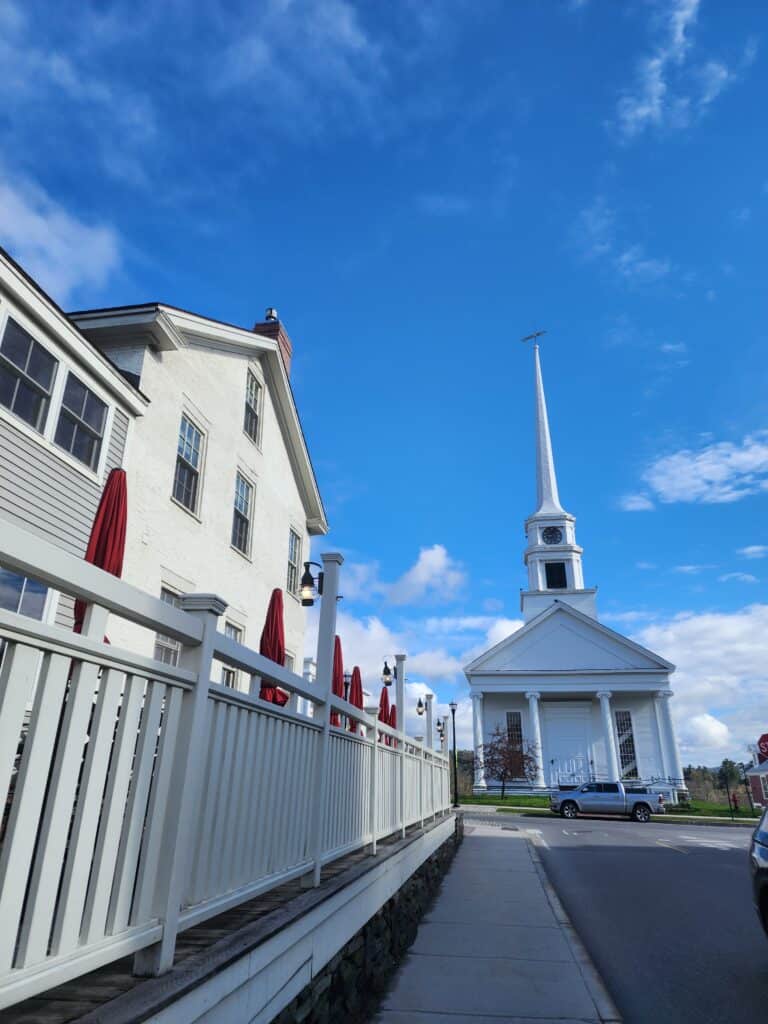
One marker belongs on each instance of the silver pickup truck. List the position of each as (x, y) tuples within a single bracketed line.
[(636, 802)]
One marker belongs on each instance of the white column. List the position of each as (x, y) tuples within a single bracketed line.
[(610, 741), (477, 736), (535, 721), (428, 698), (667, 729), (444, 737), (666, 764)]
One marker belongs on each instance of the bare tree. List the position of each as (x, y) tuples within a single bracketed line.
[(505, 760)]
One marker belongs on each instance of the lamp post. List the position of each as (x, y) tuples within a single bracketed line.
[(453, 705)]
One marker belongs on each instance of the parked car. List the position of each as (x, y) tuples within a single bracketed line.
[(758, 861), (608, 798)]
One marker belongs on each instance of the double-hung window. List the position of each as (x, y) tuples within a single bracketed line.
[(166, 648), (21, 594), (82, 418), (229, 675), (27, 372), (252, 406), (189, 458), (294, 561), (242, 513)]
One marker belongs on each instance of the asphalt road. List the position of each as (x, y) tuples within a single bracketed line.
[(666, 914)]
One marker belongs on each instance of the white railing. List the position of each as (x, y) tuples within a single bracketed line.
[(141, 798)]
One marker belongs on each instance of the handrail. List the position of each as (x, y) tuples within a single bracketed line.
[(238, 656), (29, 555)]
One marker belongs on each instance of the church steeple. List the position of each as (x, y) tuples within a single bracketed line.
[(552, 556), (547, 497)]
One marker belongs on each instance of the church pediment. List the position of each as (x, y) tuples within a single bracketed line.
[(562, 639)]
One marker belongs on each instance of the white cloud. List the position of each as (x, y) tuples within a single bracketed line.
[(645, 565), (630, 616), (669, 347), (669, 92), (722, 673), (58, 250), (596, 235), (754, 551), (742, 215), (435, 575), (692, 570), (738, 577), (715, 474), (635, 503)]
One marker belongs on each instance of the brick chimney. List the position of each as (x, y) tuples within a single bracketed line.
[(271, 327)]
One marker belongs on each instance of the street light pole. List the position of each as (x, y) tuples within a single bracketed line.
[(453, 707)]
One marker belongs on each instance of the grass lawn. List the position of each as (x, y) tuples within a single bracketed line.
[(508, 801), (719, 810)]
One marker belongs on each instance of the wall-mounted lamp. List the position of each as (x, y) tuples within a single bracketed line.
[(388, 674), (420, 707), (311, 587)]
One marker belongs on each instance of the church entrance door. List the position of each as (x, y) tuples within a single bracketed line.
[(566, 741)]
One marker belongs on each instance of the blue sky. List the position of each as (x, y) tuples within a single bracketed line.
[(415, 186)]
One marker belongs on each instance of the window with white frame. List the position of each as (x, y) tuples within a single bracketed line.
[(252, 406), (166, 648), (229, 676), (515, 728), (22, 595), (294, 561), (626, 737), (27, 372), (189, 461), (82, 418), (242, 513)]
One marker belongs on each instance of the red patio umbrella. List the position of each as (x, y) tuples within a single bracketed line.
[(272, 646), (384, 709), (338, 678), (393, 721), (355, 694), (106, 545)]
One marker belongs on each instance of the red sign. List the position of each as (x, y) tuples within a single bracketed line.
[(762, 748)]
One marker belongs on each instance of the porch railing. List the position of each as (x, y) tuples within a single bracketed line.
[(142, 798)]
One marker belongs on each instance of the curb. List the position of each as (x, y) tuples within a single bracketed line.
[(604, 1004)]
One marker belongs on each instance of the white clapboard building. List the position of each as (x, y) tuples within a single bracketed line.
[(588, 703)]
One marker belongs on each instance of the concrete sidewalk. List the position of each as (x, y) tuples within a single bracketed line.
[(496, 946)]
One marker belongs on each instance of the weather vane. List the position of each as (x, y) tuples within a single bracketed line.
[(534, 336)]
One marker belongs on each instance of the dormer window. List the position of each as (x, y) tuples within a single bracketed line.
[(555, 573)]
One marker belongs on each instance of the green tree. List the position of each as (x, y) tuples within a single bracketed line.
[(728, 774)]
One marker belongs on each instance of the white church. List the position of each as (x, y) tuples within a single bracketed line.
[(590, 704)]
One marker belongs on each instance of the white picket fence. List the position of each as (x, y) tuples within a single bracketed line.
[(141, 798)]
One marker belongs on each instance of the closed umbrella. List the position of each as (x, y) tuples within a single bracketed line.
[(272, 645), (384, 709), (393, 721), (337, 685), (355, 694), (106, 545)]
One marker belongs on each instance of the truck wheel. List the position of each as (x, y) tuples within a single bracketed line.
[(569, 809), (641, 812)]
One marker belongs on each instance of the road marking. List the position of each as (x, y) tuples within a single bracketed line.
[(666, 844), (709, 844), (538, 838)]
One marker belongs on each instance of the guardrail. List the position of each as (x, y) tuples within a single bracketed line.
[(142, 798)]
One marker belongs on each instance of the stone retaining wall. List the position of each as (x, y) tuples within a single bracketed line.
[(351, 984)]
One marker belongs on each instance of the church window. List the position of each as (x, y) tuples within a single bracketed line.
[(515, 737), (627, 755), (556, 579)]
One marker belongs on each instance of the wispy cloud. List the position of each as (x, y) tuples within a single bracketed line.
[(635, 503), (754, 551), (669, 90), (61, 251), (673, 347), (443, 204), (738, 577), (434, 578), (715, 474), (692, 570), (597, 236)]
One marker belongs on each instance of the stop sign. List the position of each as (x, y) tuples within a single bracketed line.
[(762, 748)]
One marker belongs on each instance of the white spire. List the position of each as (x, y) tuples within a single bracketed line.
[(547, 499)]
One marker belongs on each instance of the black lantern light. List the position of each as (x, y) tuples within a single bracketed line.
[(311, 587), (420, 707), (386, 674)]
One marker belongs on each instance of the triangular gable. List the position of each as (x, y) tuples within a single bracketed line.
[(562, 639)]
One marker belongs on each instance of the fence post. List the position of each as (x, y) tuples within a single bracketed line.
[(374, 788), (400, 694), (325, 637), (431, 748), (183, 801)]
